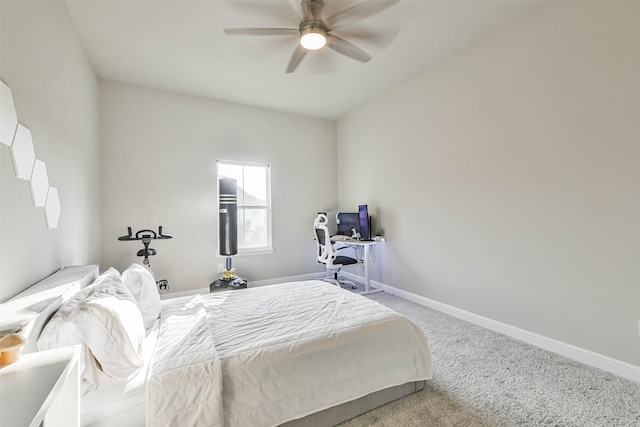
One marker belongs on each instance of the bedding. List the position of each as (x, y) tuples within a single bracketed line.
[(105, 320), (253, 357), (277, 353), (184, 386), (110, 323), (49, 333), (123, 404), (142, 286)]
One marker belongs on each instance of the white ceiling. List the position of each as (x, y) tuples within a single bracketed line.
[(180, 46)]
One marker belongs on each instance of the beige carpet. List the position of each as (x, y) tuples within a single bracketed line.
[(482, 378)]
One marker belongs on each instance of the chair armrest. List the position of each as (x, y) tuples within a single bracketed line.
[(341, 248)]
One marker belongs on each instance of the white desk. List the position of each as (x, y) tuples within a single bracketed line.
[(41, 388), (366, 244)]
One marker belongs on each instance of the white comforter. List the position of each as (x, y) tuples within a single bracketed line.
[(264, 356)]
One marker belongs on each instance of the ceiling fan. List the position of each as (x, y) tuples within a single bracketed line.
[(314, 31)]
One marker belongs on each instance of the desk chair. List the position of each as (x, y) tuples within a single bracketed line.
[(327, 254)]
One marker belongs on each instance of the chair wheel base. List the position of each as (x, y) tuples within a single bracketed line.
[(340, 283)]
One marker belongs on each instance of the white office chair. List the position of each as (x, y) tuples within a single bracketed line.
[(327, 254)]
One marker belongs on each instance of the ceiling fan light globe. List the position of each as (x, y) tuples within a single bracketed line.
[(313, 40)]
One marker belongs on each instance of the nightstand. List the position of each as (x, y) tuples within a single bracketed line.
[(42, 389)]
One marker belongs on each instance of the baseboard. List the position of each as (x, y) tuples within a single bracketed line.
[(170, 295), (250, 284), (618, 367), (297, 278)]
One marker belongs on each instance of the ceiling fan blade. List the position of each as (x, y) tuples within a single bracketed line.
[(369, 41), (344, 47), (262, 31), (358, 12), (296, 58)]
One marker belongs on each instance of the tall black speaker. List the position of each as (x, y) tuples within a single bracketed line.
[(228, 216)]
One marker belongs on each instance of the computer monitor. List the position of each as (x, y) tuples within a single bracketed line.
[(347, 221), (365, 222)]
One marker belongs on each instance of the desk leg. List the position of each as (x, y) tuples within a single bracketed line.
[(367, 273)]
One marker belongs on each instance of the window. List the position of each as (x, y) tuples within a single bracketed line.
[(254, 204)]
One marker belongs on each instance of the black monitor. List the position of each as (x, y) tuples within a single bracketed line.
[(347, 221), (365, 222)]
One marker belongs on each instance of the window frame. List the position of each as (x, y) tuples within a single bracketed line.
[(241, 208)]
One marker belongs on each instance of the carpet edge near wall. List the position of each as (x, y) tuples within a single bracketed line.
[(578, 354)]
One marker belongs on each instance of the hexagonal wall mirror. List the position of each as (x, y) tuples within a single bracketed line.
[(39, 184), (8, 117), (52, 208), (22, 153)]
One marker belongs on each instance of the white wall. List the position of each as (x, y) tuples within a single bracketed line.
[(507, 177), (56, 96), (159, 152)]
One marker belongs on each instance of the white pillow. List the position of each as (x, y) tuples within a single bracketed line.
[(142, 285), (51, 335), (110, 324), (105, 320)]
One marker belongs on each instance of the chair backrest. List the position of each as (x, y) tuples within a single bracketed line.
[(323, 240)]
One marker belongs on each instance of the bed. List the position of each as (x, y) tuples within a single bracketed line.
[(298, 353)]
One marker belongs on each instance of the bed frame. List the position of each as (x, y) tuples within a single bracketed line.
[(340, 413), (29, 311)]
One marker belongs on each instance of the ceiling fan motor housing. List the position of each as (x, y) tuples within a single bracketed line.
[(312, 16)]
